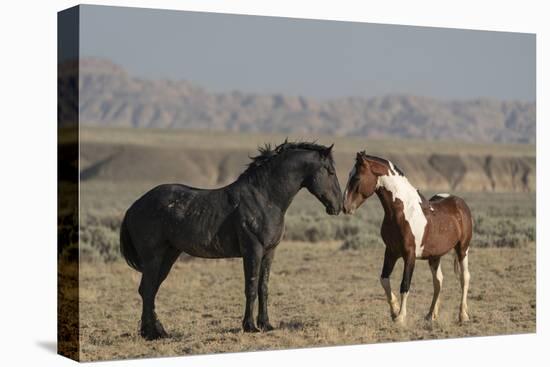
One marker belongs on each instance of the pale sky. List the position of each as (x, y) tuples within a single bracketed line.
[(314, 58)]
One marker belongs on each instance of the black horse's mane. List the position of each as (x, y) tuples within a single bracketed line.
[(381, 160), (268, 153)]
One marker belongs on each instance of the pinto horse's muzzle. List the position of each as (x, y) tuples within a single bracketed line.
[(348, 211), (347, 207)]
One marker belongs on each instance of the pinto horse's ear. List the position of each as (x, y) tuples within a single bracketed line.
[(361, 158)]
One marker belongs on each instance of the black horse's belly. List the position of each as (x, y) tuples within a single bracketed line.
[(217, 248), (207, 238)]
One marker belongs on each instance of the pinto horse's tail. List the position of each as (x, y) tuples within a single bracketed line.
[(127, 248), (456, 267)]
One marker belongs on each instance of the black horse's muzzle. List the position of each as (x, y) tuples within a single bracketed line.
[(332, 210)]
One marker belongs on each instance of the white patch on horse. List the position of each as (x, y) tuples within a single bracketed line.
[(393, 171), (401, 189), (443, 195)]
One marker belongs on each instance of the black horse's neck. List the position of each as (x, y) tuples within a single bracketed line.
[(279, 181)]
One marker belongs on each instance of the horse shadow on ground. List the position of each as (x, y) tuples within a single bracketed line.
[(292, 325)]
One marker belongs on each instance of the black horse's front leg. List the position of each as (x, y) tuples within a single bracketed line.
[(263, 318), (252, 258)]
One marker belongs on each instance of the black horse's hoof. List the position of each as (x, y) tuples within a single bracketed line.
[(265, 326), (248, 327), (160, 329), (153, 331), (152, 334)]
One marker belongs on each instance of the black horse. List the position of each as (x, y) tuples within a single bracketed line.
[(244, 219)]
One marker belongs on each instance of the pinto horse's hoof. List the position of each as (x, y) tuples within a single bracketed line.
[(431, 316), (394, 309), (464, 318), (400, 320)]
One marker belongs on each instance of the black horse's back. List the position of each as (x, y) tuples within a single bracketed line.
[(199, 222)]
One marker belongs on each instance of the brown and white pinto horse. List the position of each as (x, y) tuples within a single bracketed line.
[(413, 228)]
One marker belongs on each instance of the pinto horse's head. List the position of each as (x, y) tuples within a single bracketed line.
[(323, 183), (362, 182)]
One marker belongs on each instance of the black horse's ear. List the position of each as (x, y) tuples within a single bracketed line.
[(326, 152)]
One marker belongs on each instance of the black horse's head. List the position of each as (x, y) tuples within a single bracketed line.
[(322, 181), (301, 164)]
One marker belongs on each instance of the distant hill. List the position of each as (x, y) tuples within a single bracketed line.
[(130, 156), (112, 97)]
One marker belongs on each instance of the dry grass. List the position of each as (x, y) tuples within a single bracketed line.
[(319, 296)]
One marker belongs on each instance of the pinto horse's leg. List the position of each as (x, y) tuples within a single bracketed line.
[(437, 277), (263, 318), (252, 258), (465, 283), (389, 264), (408, 270)]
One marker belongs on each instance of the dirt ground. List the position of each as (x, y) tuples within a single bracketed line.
[(319, 296)]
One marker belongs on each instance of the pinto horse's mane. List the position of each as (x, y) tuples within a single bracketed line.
[(383, 161), (269, 153)]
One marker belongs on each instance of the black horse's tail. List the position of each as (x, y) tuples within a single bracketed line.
[(127, 248)]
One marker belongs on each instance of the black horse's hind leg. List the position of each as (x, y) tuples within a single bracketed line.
[(252, 258), (154, 273), (148, 290), (263, 318)]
